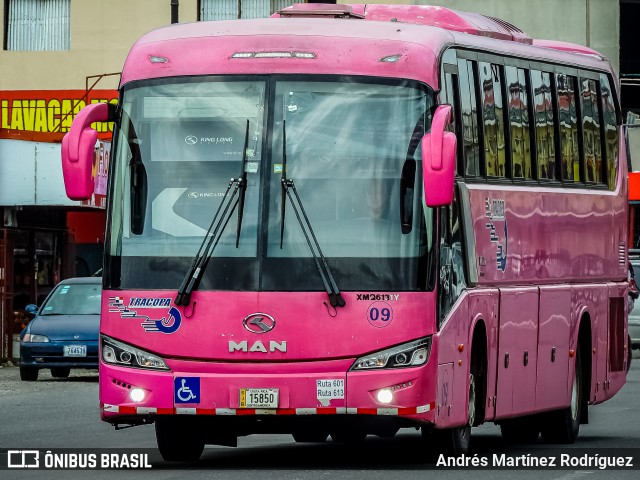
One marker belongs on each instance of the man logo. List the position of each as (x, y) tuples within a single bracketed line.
[(190, 140), (259, 323)]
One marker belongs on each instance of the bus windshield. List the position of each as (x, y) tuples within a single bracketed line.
[(352, 149)]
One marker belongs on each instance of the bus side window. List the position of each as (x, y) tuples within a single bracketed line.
[(610, 131), (518, 104), (452, 97), (591, 131), (544, 125), (568, 121), (468, 119), (451, 278), (492, 119)]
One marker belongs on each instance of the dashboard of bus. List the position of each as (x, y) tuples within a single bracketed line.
[(348, 148)]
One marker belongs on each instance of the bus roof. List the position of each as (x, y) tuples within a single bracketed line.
[(432, 15), (415, 35)]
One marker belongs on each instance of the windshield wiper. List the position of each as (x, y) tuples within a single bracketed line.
[(288, 186), (214, 233), (242, 184)]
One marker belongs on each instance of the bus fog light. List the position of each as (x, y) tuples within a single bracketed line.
[(385, 396), (137, 395)]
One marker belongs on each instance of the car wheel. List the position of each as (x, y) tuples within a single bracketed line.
[(179, 440), (60, 372), (28, 374)]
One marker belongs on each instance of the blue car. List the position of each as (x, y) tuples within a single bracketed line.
[(64, 333)]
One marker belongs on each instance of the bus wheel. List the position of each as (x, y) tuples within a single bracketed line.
[(457, 440), (310, 437), (178, 440), (348, 436), (520, 430), (562, 426)]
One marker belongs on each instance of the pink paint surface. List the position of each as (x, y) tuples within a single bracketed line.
[(518, 302), (200, 347)]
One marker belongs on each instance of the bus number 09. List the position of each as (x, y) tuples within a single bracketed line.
[(383, 314)]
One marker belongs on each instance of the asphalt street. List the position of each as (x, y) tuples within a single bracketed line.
[(63, 413)]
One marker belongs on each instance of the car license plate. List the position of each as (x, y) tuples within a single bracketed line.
[(258, 398), (75, 350)]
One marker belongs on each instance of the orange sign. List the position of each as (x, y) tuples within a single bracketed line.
[(634, 186), (46, 115)]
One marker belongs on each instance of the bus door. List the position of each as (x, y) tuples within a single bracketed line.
[(552, 390), (517, 351)]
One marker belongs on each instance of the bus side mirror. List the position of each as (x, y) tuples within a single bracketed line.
[(78, 150), (439, 159)]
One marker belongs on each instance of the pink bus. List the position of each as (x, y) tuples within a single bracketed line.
[(347, 220)]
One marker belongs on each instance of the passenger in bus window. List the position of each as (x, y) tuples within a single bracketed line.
[(374, 217), (377, 199)]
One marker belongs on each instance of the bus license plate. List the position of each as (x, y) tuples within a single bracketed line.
[(258, 398), (75, 350)]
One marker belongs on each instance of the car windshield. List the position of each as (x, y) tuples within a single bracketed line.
[(636, 271), (70, 299)]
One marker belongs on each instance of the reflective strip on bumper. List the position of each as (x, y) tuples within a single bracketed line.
[(259, 411)]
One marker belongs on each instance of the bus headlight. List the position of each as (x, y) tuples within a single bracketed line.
[(410, 354), (123, 355)]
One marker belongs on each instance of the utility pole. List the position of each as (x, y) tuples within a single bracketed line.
[(174, 11)]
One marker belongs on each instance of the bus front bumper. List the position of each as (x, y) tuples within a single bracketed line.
[(303, 389)]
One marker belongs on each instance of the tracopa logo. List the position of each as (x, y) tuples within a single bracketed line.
[(190, 139)]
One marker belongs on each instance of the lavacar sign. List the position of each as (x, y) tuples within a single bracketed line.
[(46, 115)]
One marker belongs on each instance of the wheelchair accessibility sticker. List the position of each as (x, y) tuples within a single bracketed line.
[(187, 389)]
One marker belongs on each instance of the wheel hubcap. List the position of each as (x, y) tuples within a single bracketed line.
[(574, 397)]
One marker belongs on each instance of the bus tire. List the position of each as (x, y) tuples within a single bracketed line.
[(563, 426), (457, 440), (454, 441), (348, 436), (520, 430), (178, 440), (310, 437)]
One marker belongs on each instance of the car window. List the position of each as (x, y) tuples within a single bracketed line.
[(69, 299), (636, 271)]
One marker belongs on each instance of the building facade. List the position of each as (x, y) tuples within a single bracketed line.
[(58, 55)]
